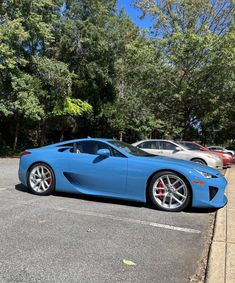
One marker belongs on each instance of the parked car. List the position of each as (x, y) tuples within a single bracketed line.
[(110, 168), (221, 149), (174, 150), (227, 158)]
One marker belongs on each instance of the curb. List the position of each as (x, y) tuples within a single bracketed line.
[(216, 272)]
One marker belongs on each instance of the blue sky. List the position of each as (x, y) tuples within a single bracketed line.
[(134, 13)]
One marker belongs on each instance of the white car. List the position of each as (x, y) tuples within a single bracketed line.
[(171, 149), (222, 149)]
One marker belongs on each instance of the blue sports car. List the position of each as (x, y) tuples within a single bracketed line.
[(111, 168)]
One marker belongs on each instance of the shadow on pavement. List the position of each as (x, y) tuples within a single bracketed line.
[(149, 205), (21, 188), (103, 199)]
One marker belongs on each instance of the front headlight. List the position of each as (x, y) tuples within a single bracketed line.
[(206, 174)]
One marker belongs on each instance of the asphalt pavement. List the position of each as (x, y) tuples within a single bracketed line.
[(70, 238)]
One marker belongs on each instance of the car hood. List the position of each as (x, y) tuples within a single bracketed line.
[(204, 154), (179, 162)]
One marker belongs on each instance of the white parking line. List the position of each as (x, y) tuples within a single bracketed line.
[(3, 189), (130, 220)]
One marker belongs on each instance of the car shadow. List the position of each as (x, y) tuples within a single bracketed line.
[(102, 199), (200, 210), (149, 205), (21, 188)]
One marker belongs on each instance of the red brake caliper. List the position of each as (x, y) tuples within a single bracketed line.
[(49, 179), (160, 190)]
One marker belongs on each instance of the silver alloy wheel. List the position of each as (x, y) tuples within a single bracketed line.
[(40, 178), (170, 191)]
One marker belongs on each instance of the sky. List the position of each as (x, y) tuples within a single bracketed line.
[(134, 13)]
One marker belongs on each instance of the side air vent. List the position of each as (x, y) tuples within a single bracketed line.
[(213, 192)]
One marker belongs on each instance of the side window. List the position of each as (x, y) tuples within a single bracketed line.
[(161, 144), (196, 147), (116, 153), (157, 144), (141, 145), (193, 146), (149, 145), (91, 147), (168, 146)]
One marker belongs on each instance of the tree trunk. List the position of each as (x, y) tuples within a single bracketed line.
[(62, 135), (121, 135), (16, 135), (42, 135)]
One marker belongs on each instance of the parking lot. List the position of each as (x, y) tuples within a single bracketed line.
[(71, 238)]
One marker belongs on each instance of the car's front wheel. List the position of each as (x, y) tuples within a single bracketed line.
[(169, 191), (41, 179)]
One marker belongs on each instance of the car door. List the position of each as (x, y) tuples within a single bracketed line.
[(92, 172), (151, 147), (169, 149)]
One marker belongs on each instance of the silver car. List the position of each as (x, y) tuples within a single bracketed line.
[(222, 149), (171, 149)]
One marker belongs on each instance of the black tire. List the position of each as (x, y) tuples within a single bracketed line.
[(44, 187), (199, 160), (184, 191)]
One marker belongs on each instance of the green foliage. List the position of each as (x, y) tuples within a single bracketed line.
[(194, 40), (27, 91), (71, 107), (55, 76), (84, 67)]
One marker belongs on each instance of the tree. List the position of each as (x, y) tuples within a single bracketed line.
[(191, 37), (35, 86)]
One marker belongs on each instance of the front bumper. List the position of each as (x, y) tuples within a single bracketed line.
[(203, 196), (215, 163), (227, 162)]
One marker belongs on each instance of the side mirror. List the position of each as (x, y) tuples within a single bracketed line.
[(103, 152), (178, 148)]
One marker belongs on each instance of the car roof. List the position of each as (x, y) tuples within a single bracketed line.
[(78, 140), (157, 140)]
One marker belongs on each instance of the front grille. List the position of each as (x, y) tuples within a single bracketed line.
[(213, 191)]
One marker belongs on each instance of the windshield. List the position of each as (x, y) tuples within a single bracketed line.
[(130, 148), (184, 146)]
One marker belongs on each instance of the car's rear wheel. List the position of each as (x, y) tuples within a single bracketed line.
[(169, 191), (199, 160), (41, 179)]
